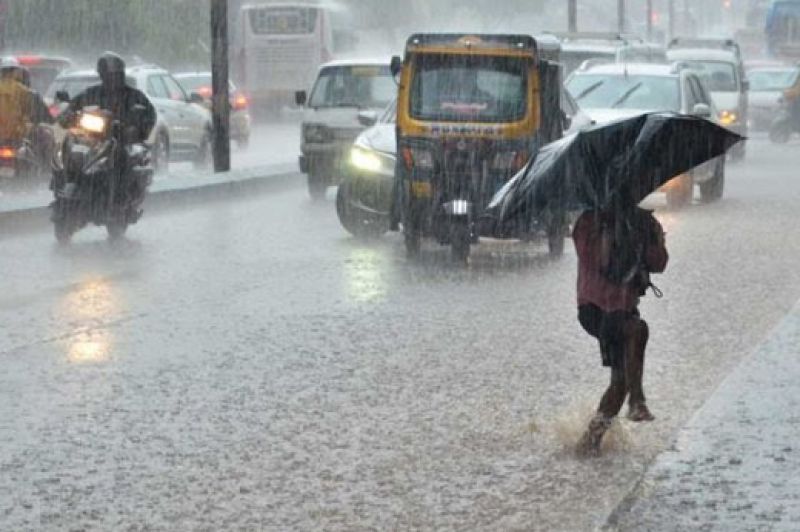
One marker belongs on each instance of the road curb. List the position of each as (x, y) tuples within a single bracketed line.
[(33, 212)]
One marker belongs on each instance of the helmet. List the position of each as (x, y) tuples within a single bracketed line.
[(111, 68), (10, 68)]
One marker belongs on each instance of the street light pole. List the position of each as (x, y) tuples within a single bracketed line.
[(649, 20), (219, 86), (572, 16), (621, 16)]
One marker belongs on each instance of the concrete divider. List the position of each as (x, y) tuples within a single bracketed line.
[(31, 211)]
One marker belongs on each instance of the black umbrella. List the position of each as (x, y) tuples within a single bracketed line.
[(591, 168)]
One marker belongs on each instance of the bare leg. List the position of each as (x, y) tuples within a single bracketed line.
[(610, 405), (637, 335)]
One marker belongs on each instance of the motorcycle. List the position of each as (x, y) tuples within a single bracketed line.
[(785, 124), (98, 177)]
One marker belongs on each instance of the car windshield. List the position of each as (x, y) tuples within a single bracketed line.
[(604, 91), (469, 88), (772, 80), (72, 85), (361, 86), (718, 76), (572, 59)]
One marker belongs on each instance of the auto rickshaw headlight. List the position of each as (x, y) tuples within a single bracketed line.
[(509, 161), (418, 158)]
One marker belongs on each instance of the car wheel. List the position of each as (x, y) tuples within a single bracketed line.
[(317, 187), (739, 152), (203, 158), (713, 189), (680, 192), (358, 223), (780, 132), (161, 154)]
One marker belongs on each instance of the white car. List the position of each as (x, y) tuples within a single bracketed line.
[(719, 64), (616, 91), (331, 117), (183, 128)]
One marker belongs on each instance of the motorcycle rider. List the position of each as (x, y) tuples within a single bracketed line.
[(23, 113), (115, 96)]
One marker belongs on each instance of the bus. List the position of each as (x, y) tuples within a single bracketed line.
[(280, 46), (783, 29)]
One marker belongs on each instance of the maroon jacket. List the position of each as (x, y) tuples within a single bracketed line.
[(593, 244)]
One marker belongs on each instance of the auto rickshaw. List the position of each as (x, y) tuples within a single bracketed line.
[(472, 111)]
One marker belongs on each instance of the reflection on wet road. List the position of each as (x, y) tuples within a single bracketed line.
[(247, 365)]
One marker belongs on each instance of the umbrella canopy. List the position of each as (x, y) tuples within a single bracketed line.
[(628, 159)]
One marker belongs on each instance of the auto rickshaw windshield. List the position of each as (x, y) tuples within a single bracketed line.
[(469, 88)]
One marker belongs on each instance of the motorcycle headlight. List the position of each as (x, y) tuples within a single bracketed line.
[(92, 123), (317, 133), (726, 118), (365, 160)]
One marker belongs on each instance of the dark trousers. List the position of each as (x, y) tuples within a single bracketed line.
[(623, 339)]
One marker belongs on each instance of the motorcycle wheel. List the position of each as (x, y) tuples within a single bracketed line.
[(116, 230), (460, 241), (356, 222), (780, 132), (63, 231)]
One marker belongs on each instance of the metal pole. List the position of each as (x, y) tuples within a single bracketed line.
[(219, 86), (572, 16), (3, 15), (649, 20), (621, 16)]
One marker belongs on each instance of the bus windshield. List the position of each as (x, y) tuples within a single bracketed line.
[(283, 20), (469, 88), (354, 86)]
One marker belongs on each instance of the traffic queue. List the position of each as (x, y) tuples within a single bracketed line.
[(465, 114)]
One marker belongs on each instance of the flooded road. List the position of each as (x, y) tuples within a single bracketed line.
[(248, 365)]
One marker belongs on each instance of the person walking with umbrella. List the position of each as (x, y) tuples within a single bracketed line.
[(618, 248), (605, 172)]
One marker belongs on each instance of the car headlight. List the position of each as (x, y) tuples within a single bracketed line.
[(93, 123), (317, 133), (365, 160), (726, 118)]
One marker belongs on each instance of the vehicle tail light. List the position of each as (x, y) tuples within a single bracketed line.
[(7, 152), (415, 157), (28, 60), (240, 102)]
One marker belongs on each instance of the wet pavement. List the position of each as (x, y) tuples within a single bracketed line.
[(247, 365), (736, 465)]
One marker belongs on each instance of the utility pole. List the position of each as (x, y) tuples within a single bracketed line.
[(572, 16), (220, 73), (3, 16), (621, 16), (649, 20)]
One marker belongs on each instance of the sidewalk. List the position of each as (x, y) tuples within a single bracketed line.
[(736, 465)]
